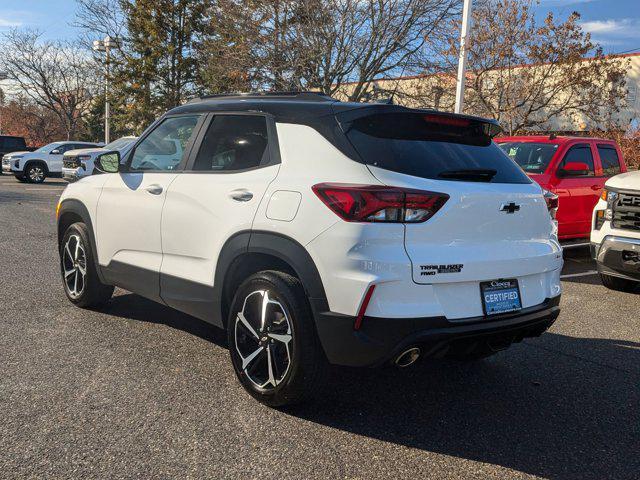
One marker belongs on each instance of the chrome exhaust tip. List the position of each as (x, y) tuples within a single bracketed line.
[(407, 358)]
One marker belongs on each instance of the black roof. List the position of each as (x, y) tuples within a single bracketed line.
[(290, 107)]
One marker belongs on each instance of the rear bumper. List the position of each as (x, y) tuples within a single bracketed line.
[(618, 256), (380, 339)]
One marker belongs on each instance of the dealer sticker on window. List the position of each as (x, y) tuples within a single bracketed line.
[(500, 296)]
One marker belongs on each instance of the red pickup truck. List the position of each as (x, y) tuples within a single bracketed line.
[(574, 168)]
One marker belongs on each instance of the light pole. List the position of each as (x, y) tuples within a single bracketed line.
[(462, 57), (105, 46), (3, 76)]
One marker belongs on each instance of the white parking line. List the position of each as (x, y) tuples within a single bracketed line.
[(583, 274)]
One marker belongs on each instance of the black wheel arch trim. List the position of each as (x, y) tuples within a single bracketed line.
[(71, 205), (210, 303), (40, 162), (279, 246)]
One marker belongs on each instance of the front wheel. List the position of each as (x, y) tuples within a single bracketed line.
[(79, 275), (35, 173), (619, 284), (273, 344)]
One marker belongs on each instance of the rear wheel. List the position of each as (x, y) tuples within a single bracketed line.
[(619, 284), (35, 173), (78, 269), (272, 340)]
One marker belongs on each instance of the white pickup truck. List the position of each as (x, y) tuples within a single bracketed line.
[(44, 162), (615, 236), (77, 164)]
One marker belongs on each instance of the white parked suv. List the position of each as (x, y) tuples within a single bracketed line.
[(44, 162), (319, 232), (615, 237), (77, 164)]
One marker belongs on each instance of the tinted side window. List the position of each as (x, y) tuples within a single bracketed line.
[(233, 142), (609, 160), (163, 148), (14, 143), (580, 154)]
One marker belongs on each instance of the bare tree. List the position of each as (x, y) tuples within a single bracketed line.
[(322, 44), (526, 74), (38, 125), (56, 76)]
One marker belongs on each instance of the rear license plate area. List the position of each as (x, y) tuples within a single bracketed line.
[(500, 296)]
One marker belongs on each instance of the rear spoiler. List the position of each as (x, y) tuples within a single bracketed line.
[(442, 126)]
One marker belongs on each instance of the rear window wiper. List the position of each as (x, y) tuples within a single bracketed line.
[(470, 175)]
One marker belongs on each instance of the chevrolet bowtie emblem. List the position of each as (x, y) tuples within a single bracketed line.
[(510, 208)]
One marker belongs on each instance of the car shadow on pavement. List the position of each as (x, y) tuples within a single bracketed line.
[(135, 307), (556, 406)]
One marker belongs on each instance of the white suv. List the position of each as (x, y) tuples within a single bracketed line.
[(615, 237), (319, 232), (44, 162), (77, 164)]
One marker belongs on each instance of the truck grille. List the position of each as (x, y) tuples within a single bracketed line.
[(70, 162), (626, 212), (6, 161)]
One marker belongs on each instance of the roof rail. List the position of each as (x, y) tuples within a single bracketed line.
[(285, 95)]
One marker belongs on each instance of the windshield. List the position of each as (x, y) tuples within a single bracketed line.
[(49, 147), (532, 157), (119, 143), (431, 146)]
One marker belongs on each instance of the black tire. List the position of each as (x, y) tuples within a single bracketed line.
[(619, 284), (35, 173), (89, 290), (298, 372)]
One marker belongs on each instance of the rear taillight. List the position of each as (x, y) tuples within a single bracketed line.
[(373, 203), (552, 203)]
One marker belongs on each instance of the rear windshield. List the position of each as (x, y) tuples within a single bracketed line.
[(432, 146), (531, 156)]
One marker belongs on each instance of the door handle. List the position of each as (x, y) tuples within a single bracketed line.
[(241, 195), (154, 189), (595, 187)]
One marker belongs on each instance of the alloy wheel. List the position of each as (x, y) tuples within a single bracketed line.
[(263, 339), (74, 265), (36, 174)]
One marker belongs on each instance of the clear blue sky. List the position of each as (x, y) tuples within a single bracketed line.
[(614, 23)]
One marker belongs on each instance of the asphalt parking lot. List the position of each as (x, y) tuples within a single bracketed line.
[(138, 390)]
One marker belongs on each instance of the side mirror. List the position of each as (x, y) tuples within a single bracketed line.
[(574, 169), (108, 162)]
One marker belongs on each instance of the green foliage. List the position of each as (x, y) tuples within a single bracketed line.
[(155, 68)]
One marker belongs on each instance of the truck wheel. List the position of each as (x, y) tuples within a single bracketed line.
[(273, 344), (77, 266), (35, 173), (619, 284)]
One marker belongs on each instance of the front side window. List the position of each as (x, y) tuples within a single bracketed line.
[(232, 143), (532, 157), (164, 147), (580, 154), (49, 147), (609, 159)]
